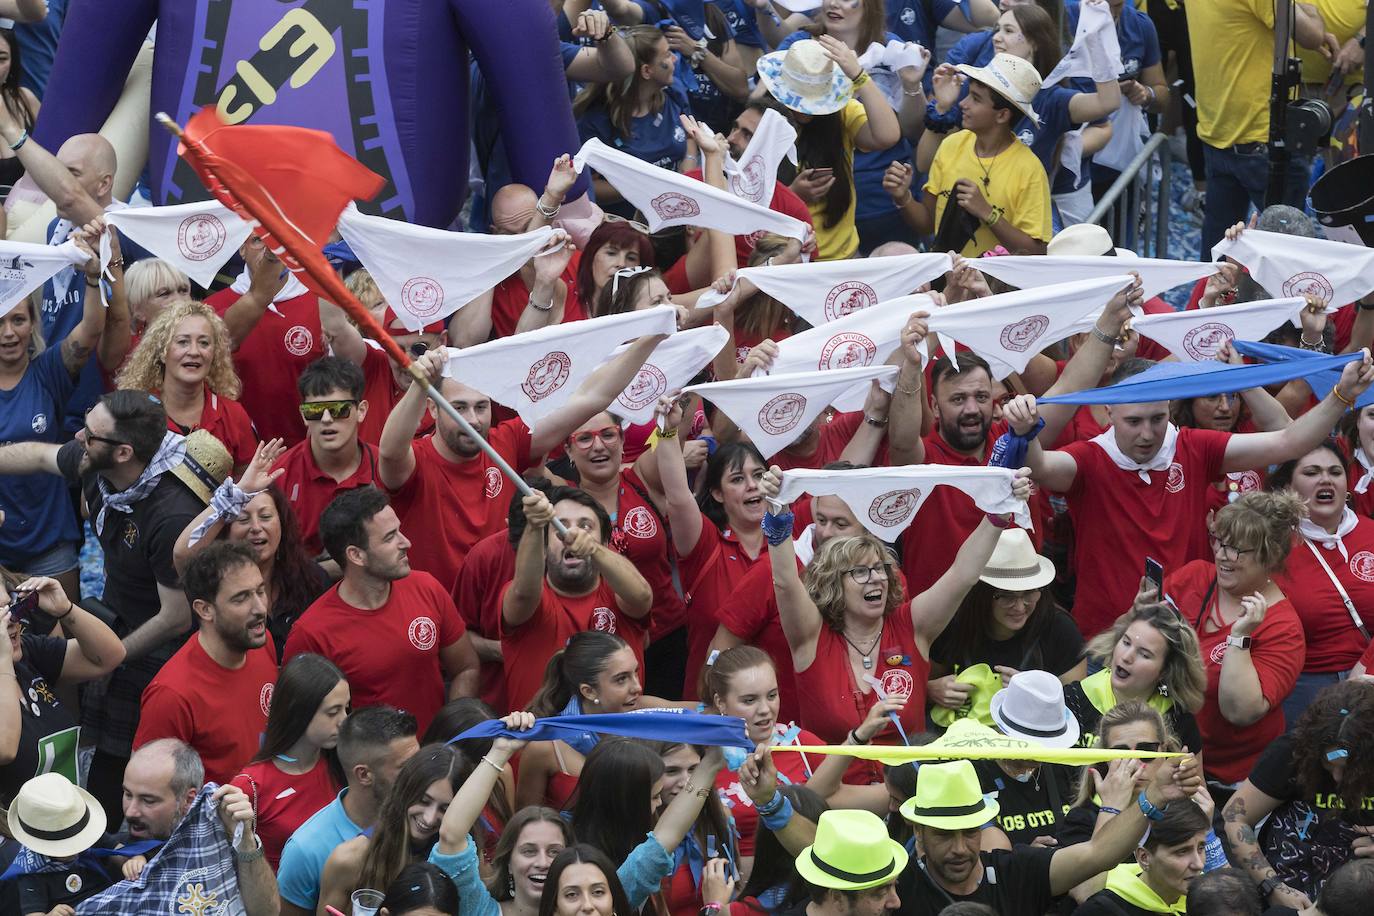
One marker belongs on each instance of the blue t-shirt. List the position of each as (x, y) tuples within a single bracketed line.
[(304, 855), (974, 49), (740, 16), (657, 138), (38, 513), (38, 46), (1052, 105), (917, 20)]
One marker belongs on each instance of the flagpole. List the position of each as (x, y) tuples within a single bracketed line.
[(369, 325)]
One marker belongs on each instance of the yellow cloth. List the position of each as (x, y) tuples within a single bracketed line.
[(1016, 183), (1343, 19), (985, 682), (842, 239), (1125, 882), (1233, 60)]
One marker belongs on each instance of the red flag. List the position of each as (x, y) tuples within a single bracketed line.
[(291, 183)]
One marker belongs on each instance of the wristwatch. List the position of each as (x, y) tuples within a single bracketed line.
[(1239, 642), (1268, 886)]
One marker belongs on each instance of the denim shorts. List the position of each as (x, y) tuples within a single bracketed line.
[(62, 557)]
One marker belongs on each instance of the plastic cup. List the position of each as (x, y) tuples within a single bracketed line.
[(366, 901)]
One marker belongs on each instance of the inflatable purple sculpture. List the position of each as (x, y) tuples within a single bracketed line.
[(388, 78)]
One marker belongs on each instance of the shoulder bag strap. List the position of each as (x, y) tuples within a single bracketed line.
[(1345, 597)]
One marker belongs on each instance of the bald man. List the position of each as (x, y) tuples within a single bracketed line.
[(892, 250)]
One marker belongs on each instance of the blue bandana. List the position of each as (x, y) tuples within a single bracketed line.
[(676, 725), (1320, 382), (1009, 451)]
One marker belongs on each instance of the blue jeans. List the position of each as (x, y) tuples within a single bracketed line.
[(1239, 177), (1305, 691)]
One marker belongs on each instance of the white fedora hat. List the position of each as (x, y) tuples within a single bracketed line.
[(1031, 706), (1015, 566), (1012, 78), (805, 79), (55, 818), (1085, 240)]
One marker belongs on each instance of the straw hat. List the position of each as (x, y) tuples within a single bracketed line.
[(1031, 706), (206, 465), (948, 797), (804, 79), (55, 818), (852, 852), (1085, 240), (1012, 78), (1015, 566)]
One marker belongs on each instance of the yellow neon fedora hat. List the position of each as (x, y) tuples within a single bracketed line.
[(852, 852), (948, 797)]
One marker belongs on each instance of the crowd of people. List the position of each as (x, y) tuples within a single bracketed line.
[(315, 577)]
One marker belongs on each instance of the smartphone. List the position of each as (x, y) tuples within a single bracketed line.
[(1155, 573), (822, 173)]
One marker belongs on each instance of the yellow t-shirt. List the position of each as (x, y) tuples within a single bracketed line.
[(1233, 59), (842, 239), (1016, 182), (1343, 19)]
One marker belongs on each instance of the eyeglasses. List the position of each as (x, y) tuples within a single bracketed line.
[(609, 435), (632, 223), (1140, 746), (1030, 598), (339, 410), (1226, 551), (862, 575), (92, 437)]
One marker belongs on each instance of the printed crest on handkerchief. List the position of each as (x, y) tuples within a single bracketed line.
[(1203, 341), (1309, 283), (648, 385), (894, 507), (1021, 334), (847, 350), (849, 297), (14, 275), (547, 375), (673, 205), (201, 236), (781, 414), (747, 183), (422, 296)]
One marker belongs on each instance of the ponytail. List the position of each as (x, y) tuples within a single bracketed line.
[(716, 675), (580, 662)]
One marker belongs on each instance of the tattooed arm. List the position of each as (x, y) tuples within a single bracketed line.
[(1241, 816)]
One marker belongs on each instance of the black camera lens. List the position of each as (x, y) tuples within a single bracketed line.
[(419, 348)]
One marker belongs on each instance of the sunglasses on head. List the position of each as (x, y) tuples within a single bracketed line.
[(632, 223), (339, 410), (609, 435)]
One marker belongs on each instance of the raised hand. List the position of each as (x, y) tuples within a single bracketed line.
[(258, 476), (538, 510)]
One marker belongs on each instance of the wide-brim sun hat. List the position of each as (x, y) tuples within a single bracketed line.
[(1031, 707), (852, 852), (1012, 78), (949, 797), (804, 79), (206, 465), (1085, 240), (55, 818), (1015, 566)]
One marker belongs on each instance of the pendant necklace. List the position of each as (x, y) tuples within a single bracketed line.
[(866, 656)]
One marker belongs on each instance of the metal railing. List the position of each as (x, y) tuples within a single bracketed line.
[(1135, 209)]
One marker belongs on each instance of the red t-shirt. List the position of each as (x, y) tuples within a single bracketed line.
[(640, 536), (1333, 643), (228, 422), (1277, 652), (750, 611), (1119, 520), (382, 394), (285, 340), (792, 770), (526, 649), (390, 655), (833, 702), (710, 574), (309, 489), (511, 295), (834, 437), (448, 506), (784, 201), (220, 712), (283, 802), (489, 565)]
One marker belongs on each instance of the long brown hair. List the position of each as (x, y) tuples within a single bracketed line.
[(872, 24), (761, 315), (389, 849), (1042, 33), (500, 884), (618, 98)]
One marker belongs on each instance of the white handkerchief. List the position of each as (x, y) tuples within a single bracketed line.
[(1071, 152), (1156, 274), (669, 199), (1367, 475), (536, 372), (674, 363), (1010, 328), (1197, 335), (1096, 51), (798, 6), (1163, 458), (1313, 532), (822, 291), (755, 176), (24, 267), (886, 499), (196, 238), (1129, 131), (426, 274), (861, 339), (774, 410), (1287, 265), (290, 290)]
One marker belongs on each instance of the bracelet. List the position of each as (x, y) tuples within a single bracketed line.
[(690, 158), (912, 390), (854, 738), (546, 212), (703, 791), (1336, 390), (1109, 341), (875, 421), (93, 284), (914, 94), (1108, 809), (777, 818), (863, 79), (709, 909), (117, 262), (252, 855), (670, 433), (993, 217), (1318, 347), (1148, 809), (777, 528), (773, 805), (542, 308), (71, 606), (23, 138), (493, 765), (998, 522), (1153, 97)]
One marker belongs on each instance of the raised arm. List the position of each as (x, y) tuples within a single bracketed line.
[(983, 15), (1084, 370), (1049, 468), (471, 324), (1094, 106), (472, 797), (395, 457), (682, 812), (548, 295), (863, 446), (78, 345), (883, 129), (52, 176), (224, 505), (759, 776), (684, 515), (632, 592), (266, 277), (609, 61), (339, 333), (800, 618), (594, 395), (776, 25), (904, 443), (527, 587)]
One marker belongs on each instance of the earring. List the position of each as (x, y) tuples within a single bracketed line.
[(510, 885), (597, 702)]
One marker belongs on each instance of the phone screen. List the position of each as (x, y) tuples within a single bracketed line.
[(1154, 571)]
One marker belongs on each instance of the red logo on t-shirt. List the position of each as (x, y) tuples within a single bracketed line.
[(200, 237), (640, 522), (649, 383), (547, 375), (299, 340), (1203, 341), (1175, 481), (265, 698), (897, 682), (1019, 336), (849, 297), (747, 183), (782, 413), (494, 482), (423, 633), (603, 619), (674, 205), (847, 350), (1362, 565), (894, 507), (1309, 283), (422, 296)]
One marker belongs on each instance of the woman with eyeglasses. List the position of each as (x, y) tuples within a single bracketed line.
[(1250, 636), (852, 632)]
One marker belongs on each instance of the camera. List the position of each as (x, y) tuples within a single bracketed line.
[(1308, 126)]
